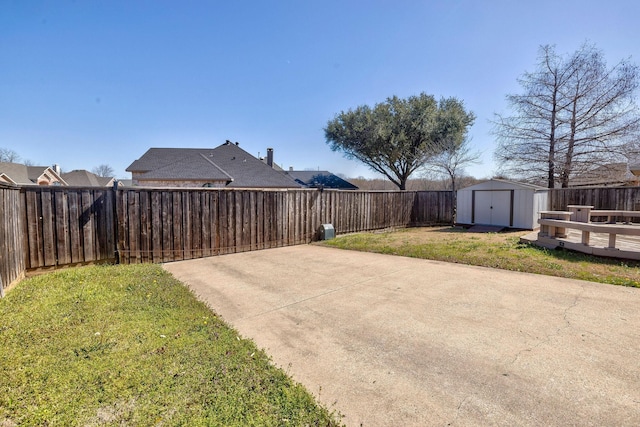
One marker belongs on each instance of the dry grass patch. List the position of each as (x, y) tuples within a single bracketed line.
[(498, 250)]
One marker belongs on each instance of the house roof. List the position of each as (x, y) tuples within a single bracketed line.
[(227, 162), (613, 174), (315, 179), (84, 178), (190, 164), (15, 172), (27, 175)]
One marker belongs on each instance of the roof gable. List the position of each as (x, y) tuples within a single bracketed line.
[(248, 171), (30, 175), (84, 178)]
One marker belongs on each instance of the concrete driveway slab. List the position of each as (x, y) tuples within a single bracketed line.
[(392, 341)]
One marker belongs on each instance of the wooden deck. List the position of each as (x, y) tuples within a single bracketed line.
[(627, 247)]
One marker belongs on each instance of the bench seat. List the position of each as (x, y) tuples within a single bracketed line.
[(589, 227)]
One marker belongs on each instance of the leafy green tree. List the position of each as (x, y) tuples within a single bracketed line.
[(397, 137)]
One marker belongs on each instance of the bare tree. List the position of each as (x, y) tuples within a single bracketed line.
[(8, 155), (103, 170), (575, 114), (451, 161)]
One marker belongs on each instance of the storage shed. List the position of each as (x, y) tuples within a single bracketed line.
[(502, 203)]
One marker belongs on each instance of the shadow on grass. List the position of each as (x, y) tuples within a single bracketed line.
[(465, 230), (578, 257)]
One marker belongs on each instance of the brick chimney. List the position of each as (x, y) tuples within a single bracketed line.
[(270, 157)]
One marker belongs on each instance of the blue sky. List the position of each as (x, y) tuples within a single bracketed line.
[(84, 83)]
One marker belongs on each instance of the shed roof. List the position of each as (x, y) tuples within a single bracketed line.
[(502, 184)]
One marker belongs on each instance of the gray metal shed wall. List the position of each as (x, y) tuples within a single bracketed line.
[(526, 203)]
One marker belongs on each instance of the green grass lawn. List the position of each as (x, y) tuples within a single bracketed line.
[(498, 250), (130, 345)]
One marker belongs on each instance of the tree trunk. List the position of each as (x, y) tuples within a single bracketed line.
[(551, 178)]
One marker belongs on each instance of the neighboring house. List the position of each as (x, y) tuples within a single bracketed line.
[(224, 166), (16, 173), (320, 179), (84, 178), (124, 183), (634, 168), (611, 175)]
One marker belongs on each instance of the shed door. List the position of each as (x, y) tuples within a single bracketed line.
[(493, 207)]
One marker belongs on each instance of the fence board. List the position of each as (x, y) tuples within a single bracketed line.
[(145, 226), (75, 238), (156, 227), (61, 222), (167, 227), (34, 239), (13, 254)]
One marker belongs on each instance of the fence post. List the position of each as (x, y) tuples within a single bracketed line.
[(116, 221)]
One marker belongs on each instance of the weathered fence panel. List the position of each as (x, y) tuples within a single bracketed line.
[(611, 198), (159, 225), (12, 262), (65, 225), (52, 226), (45, 227)]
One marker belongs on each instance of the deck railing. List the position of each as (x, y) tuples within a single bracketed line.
[(554, 226)]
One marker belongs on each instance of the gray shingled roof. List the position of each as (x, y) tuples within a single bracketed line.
[(314, 179), (227, 162), (23, 174), (189, 165), (606, 175), (82, 178), (16, 172)]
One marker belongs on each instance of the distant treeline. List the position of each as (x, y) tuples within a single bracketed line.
[(418, 184)]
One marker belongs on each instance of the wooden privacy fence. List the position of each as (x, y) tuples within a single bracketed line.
[(611, 198), (44, 227), (171, 225), (66, 226), (12, 265)]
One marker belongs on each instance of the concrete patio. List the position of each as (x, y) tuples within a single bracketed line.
[(392, 341)]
